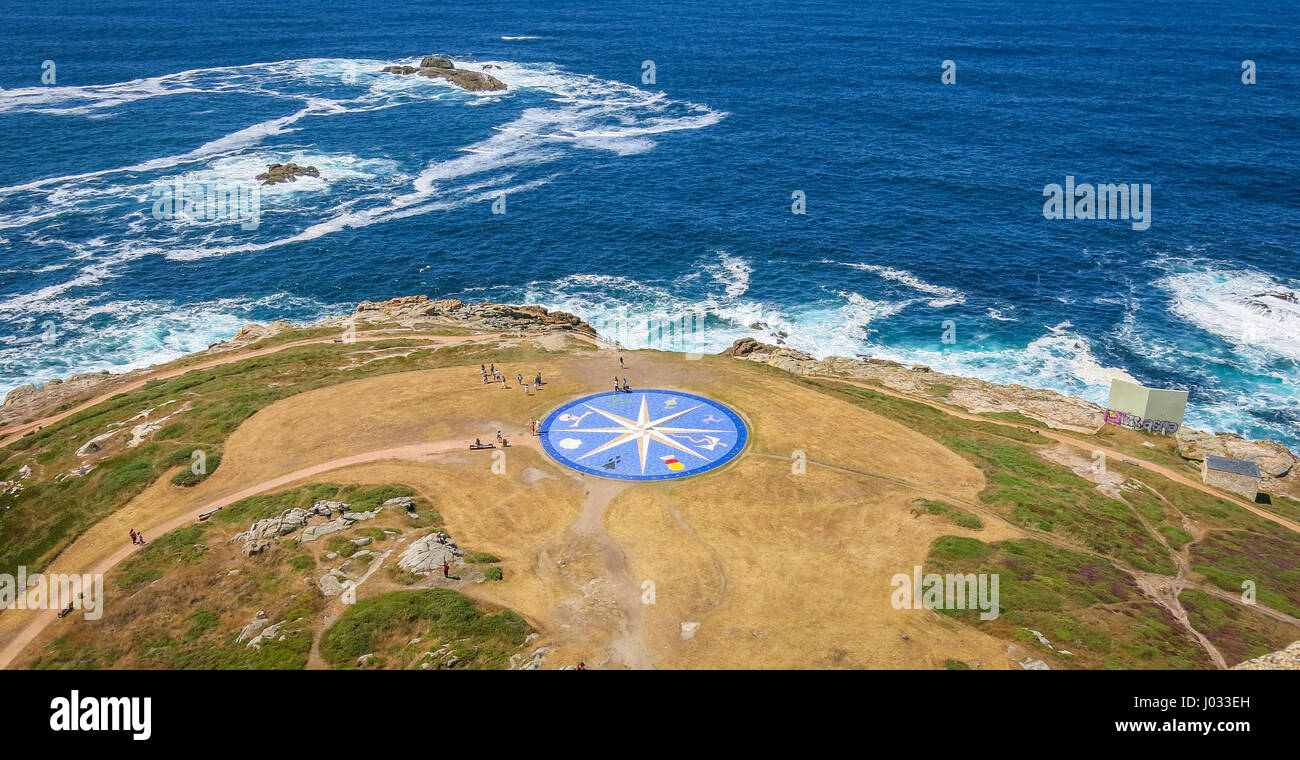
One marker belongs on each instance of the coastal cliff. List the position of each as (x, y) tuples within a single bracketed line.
[(1280, 465)]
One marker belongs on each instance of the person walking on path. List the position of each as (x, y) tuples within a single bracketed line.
[(133, 538), (537, 425), (621, 365), (498, 436), (446, 570), (520, 378)]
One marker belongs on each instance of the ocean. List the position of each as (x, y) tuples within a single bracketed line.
[(650, 159)]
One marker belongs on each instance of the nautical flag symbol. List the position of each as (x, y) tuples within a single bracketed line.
[(673, 463)]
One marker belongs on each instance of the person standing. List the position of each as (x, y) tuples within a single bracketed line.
[(620, 363), (446, 570)]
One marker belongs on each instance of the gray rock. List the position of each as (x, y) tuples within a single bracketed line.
[(272, 527), (313, 532), (425, 555), (400, 502), (330, 586), (252, 629)]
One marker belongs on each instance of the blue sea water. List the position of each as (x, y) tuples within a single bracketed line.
[(637, 202)]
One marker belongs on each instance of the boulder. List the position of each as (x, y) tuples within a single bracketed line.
[(400, 502), (330, 586), (425, 555), (274, 527), (252, 629), (270, 633), (343, 522)]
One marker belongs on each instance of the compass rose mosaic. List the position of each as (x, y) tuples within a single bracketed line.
[(643, 435)]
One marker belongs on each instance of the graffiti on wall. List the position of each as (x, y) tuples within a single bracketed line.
[(1134, 422)]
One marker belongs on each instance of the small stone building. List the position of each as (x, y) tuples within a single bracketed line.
[(1236, 475)]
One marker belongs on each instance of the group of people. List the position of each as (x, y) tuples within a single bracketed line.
[(625, 388), (137, 537), (328, 510), (535, 427), (491, 374)]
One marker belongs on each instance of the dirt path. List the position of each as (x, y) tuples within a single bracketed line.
[(14, 432), (166, 523), (1058, 437), (602, 601)]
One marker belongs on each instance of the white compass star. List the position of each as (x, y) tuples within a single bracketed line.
[(642, 431)]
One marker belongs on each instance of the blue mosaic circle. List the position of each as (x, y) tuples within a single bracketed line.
[(643, 435)]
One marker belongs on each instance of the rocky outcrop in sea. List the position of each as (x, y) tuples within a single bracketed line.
[(289, 172), (443, 68)]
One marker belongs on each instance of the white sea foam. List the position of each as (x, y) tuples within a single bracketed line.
[(118, 336), (943, 295), (589, 114), (1250, 310)]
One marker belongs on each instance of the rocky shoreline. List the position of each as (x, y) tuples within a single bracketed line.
[(1276, 461)]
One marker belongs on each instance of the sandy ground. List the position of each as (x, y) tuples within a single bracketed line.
[(779, 569)]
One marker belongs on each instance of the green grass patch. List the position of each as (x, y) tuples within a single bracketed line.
[(382, 625)]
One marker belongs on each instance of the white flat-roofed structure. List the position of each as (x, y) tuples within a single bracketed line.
[(1156, 410)]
